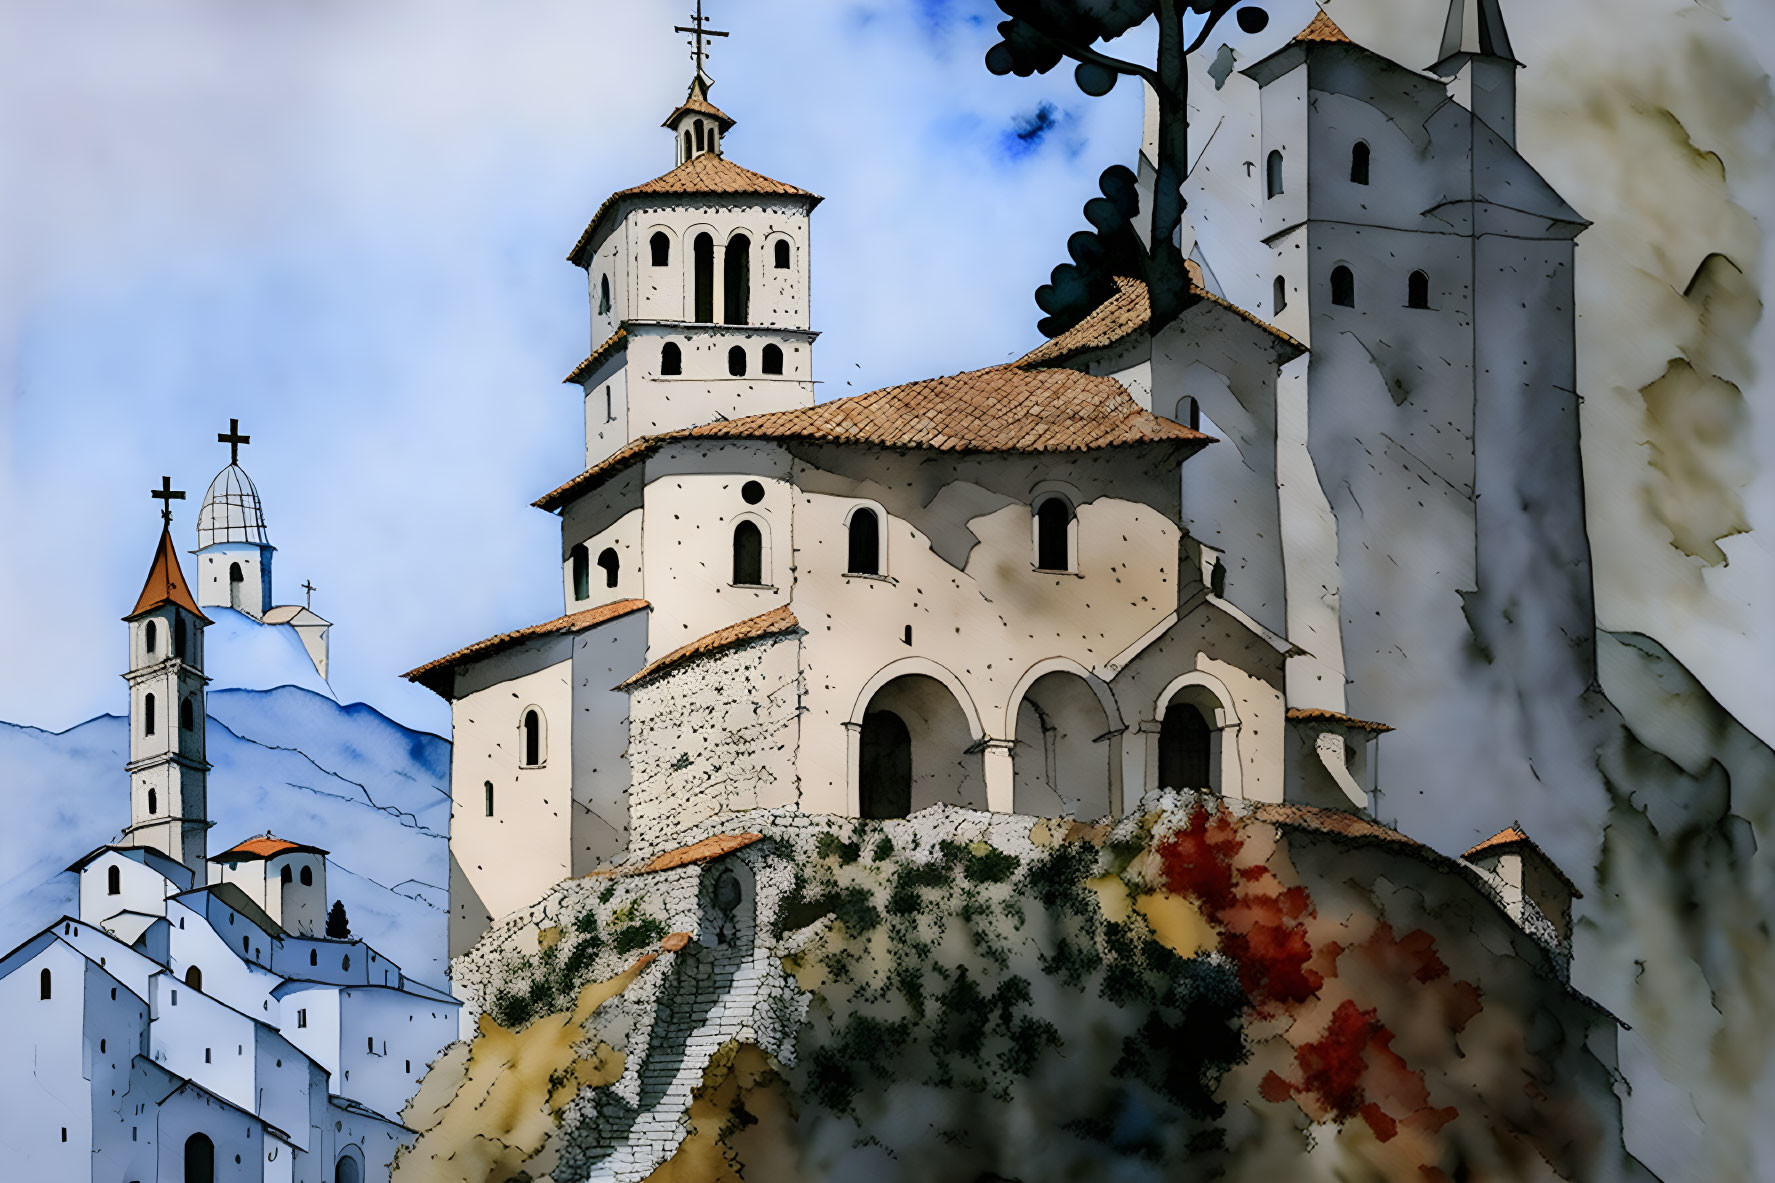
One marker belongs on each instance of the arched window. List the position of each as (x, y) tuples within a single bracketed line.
[(347, 1171), (748, 554), (671, 359), (1417, 290), (533, 747), (1278, 295), (699, 135), (1189, 413), (688, 151), (1217, 578), (147, 714), (113, 881), (179, 637), (661, 247), (236, 585), (771, 360), (781, 251), (702, 265), (314, 957), (736, 277), (1343, 287), (736, 361), (306, 878), (1272, 174), (153, 802), (487, 788), (603, 295), (581, 562), (612, 565), (194, 978), (151, 636), (1184, 740), (43, 985), (285, 875), (187, 716), (1053, 524), (200, 1159), (1359, 163), (865, 543)]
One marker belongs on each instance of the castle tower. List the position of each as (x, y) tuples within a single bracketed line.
[(1477, 61), (699, 289), (233, 551), (167, 769)]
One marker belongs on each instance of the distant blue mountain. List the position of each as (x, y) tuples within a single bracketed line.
[(346, 778)]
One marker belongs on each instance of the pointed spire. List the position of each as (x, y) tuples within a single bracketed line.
[(1323, 28), (1475, 27), (697, 102), (166, 582)]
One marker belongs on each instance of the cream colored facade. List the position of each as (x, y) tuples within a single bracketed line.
[(734, 640)]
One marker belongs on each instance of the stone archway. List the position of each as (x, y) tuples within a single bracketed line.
[(1064, 761), (916, 750)]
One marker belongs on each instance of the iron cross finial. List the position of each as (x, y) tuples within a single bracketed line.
[(166, 495), (308, 587), (234, 440), (699, 29)]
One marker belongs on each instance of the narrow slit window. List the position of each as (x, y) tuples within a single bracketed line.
[(1343, 287), (1053, 523), (581, 563), (736, 275), (1272, 173), (703, 274), (748, 554), (603, 295), (187, 716), (147, 714), (532, 738), (487, 788), (113, 881), (1359, 163), (150, 637), (865, 543), (1278, 296)]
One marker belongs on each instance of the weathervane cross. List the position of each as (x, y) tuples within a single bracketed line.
[(698, 27), (234, 440), (166, 495), (308, 586)]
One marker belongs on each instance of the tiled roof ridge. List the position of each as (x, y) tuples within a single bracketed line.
[(706, 174), (1323, 29), (1319, 714), (1008, 407), (594, 359), (777, 621), (1515, 835), (572, 622), (1122, 315)]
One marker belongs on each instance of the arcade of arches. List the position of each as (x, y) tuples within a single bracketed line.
[(916, 748)]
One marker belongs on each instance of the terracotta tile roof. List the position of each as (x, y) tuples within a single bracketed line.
[(707, 175), (767, 624), (1514, 836), (1124, 314), (434, 675), (1323, 28), (1005, 408), (1334, 821), (617, 340), (166, 582), (1315, 715), (697, 852), (697, 101), (262, 847)]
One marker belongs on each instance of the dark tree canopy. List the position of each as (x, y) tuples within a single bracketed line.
[(338, 927), (1039, 35)]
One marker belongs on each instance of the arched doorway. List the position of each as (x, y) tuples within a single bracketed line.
[(200, 1159), (916, 750), (1062, 764), (348, 1169), (1186, 748)]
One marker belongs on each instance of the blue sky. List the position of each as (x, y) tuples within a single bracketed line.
[(345, 225)]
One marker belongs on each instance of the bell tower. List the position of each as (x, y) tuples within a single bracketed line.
[(168, 805), (1477, 62)]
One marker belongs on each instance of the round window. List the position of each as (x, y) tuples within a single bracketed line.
[(752, 492)]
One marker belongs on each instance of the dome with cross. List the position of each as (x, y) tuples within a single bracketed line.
[(231, 511)]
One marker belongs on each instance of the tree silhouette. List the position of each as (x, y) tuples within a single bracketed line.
[(1036, 38), (338, 927)]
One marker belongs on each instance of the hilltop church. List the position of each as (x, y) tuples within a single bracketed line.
[(1049, 587), (196, 1019)]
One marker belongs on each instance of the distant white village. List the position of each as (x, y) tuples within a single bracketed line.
[(990, 591)]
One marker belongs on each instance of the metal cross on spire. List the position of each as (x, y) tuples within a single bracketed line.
[(308, 586), (166, 495), (699, 29), (234, 440)]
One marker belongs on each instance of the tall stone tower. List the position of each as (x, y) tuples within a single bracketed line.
[(168, 802), (699, 292)]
